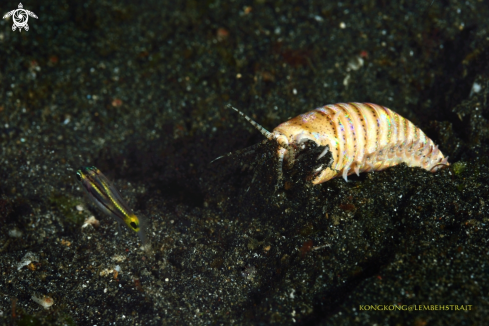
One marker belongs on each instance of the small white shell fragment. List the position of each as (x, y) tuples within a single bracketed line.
[(79, 208), (318, 18), (27, 259), (119, 258), (105, 272), (15, 233), (147, 247), (91, 221), (44, 301), (355, 63), (476, 88), (110, 270)]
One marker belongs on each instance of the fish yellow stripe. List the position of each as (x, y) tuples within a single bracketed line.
[(103, 193)]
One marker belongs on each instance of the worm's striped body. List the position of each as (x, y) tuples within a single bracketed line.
[(361, 137)]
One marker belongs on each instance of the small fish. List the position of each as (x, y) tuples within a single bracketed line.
[(103, 193)]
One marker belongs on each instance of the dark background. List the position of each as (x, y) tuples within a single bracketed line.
[(139, 90)]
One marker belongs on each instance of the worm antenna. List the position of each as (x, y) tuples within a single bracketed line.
[(243, 152), (281, 154), (257, 170), (263, 131)]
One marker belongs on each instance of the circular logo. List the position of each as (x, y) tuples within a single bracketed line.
[(20, 18)]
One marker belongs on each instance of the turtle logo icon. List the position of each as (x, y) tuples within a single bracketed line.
[(20, 17)]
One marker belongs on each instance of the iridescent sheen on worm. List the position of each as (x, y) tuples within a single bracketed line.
[(361, 137)]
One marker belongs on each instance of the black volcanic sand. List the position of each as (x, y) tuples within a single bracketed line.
[(139, 89)]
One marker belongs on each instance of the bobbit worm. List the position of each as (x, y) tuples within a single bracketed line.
[(361, 137)]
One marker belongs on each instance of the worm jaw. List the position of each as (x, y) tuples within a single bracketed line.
[(290, 149)]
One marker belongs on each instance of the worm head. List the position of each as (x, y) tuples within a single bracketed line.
[(299, 148), (294, 140)]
